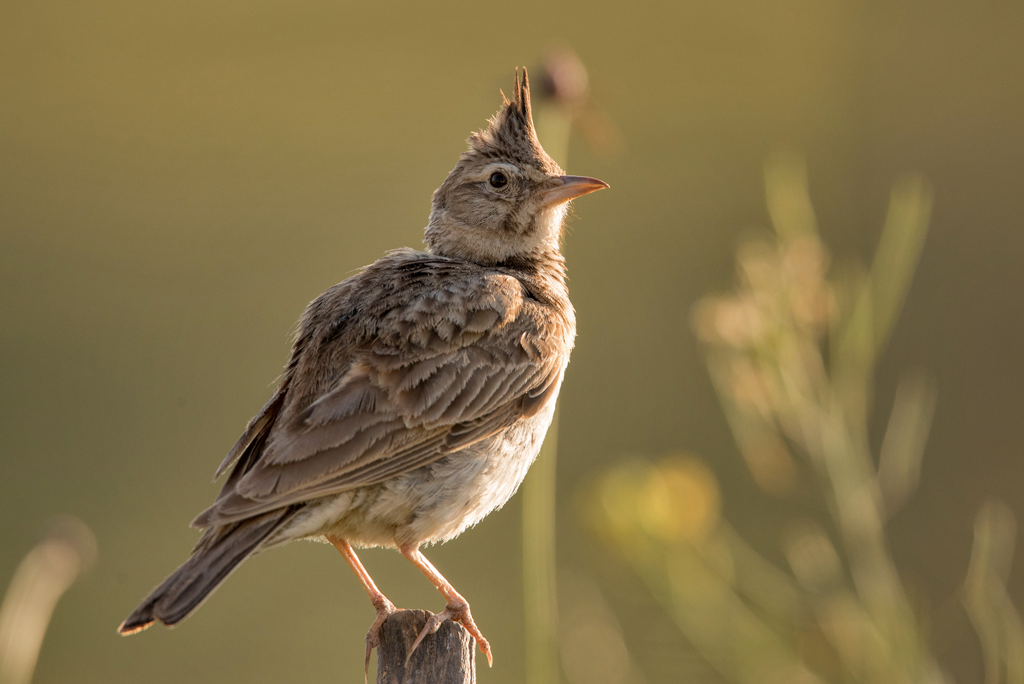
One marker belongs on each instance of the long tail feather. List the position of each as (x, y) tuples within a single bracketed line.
[(218, 553)]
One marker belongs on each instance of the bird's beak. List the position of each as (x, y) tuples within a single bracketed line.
[(570, 187)]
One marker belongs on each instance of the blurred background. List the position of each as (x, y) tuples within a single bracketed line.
[(177, 181)]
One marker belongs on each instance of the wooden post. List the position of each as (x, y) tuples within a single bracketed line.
[(446, 657)]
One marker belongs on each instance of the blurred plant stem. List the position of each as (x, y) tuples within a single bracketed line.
[(558, 100), (985, 597), (41, 579), (791, 352), (539, 564)]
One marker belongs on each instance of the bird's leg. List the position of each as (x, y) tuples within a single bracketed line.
[(381, 604), (457, 608)]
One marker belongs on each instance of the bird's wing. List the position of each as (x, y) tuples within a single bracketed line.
[(448, 366)]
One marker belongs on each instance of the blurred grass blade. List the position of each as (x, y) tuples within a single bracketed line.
[(893, 268), (761, 583), (564, 80), (40, 580), (539, 588), (594, 648), (863, 332), (988, 604), (789, 203), (896, 259), (1014, 630), (899, 463), (733, 639)]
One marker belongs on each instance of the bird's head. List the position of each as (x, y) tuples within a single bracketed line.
[(506, 198)]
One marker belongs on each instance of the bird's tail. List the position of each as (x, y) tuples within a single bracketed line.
[(218, 553)]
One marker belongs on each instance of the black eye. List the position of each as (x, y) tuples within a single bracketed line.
[(498, 180)]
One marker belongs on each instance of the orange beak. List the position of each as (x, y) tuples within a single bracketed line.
[(570, 187)]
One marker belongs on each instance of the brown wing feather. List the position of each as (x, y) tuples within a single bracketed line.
[(452, 357), (260, 424)]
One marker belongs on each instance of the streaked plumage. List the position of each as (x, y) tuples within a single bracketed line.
[(418, 391)]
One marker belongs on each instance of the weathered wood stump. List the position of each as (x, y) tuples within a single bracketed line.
[(447, 656)]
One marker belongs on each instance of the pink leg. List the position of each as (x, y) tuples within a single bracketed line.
[(457, 608), (381, 604)]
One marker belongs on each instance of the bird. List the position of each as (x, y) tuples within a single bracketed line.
[(418, 391)]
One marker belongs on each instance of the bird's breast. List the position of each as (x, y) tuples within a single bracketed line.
[(467, 485)]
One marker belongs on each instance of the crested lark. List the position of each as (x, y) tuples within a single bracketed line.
[(418, 391)]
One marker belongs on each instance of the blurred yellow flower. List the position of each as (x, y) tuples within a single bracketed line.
[(675, 500), (679, 501)]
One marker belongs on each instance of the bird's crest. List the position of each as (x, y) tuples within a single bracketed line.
[(511, 132)]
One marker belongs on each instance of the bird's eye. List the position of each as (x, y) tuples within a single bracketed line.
[(498, 180)]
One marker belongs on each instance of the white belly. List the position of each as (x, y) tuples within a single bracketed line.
[(469, 485), (436, 502)]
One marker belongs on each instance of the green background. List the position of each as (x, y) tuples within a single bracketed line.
[(177, 180)]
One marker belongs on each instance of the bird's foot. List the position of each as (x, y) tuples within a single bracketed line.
[(457, 611), (384, 608)]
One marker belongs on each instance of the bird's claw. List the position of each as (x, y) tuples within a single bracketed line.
[(456, 613), (384, 609)]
